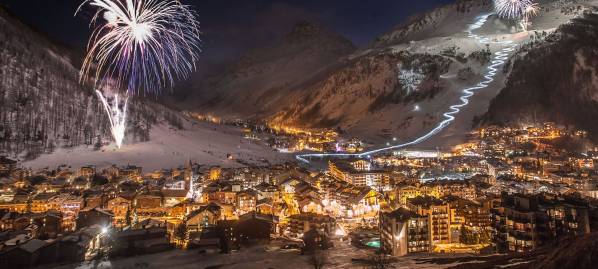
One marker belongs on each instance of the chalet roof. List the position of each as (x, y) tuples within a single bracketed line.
[(9, 215), (403, 214), (250, 192), (211, 207), (425, 201), (265, 187), (20, 198), (174, 193), (43, 196), (96, 209), (219, 186), (290, 181), (264, 201), (304, 187), (312, 217), (137, 232), (91, 231), (258, 216)]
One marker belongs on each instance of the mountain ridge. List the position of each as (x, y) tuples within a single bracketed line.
[(262, 77)]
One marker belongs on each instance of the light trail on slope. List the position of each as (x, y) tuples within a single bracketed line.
[(499, 59)]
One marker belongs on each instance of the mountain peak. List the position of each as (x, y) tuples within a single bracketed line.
[(305, 30)]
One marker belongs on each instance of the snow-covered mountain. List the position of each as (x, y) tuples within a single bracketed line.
[(259, 83), (400, 86), (315, 78)]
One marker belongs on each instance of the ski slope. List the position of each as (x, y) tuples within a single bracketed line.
[(499, 58)]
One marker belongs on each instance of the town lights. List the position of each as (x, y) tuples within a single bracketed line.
[(339, 232)]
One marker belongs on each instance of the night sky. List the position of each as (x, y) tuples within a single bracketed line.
[(230, 27)]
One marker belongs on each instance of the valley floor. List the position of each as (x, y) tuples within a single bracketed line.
[(205, 143)]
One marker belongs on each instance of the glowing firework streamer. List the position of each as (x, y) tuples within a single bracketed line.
[(140, 46), (117, 114)]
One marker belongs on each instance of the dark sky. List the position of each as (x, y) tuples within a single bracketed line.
[(230, 27)]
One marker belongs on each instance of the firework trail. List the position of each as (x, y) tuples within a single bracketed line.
[(140, 46), (117, 114)]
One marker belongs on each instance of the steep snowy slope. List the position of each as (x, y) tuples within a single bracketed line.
[(555, 80), (444, 21), (42, 105)]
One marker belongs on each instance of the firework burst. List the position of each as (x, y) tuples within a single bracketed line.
[(140, 46), (531, 11), (522, 10), (512, 9)]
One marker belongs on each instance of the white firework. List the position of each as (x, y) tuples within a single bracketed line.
[(138, 46), (531, 11), (141, 45), (512, 9)]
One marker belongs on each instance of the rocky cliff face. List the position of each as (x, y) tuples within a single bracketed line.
[(556, 80)]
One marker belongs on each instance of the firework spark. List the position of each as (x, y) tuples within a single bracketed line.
[(140, 46), (512, 9), (117, 114), (530, 11)]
